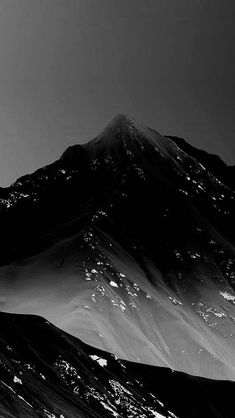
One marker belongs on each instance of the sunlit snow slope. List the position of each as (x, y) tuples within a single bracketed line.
[(127, 242)]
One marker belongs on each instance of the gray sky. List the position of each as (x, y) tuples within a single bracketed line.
[(68, 66)]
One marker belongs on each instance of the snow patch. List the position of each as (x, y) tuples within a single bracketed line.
[(114, 284), (17, 380), (228, 297), (102, 362)]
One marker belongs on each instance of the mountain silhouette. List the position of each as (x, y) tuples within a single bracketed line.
[(127, 242)]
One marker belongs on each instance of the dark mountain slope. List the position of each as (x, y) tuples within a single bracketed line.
[(47, 373), (126, 155), (213, 162)]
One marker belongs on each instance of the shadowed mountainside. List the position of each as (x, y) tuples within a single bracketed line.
[(213, 162)]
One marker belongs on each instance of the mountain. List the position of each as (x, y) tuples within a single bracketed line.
[(213, 162), (48, 373), (127, 242)]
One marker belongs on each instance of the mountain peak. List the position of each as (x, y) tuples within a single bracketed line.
[(121, 118), (112, 135), (121, 131), (118, 122), (130, 135)]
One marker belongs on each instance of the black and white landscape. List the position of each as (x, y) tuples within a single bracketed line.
[(125, 247)]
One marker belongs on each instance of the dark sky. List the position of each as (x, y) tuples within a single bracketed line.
[(68, 66)]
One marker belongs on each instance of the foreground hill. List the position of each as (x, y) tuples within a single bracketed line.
[(48, 373)]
